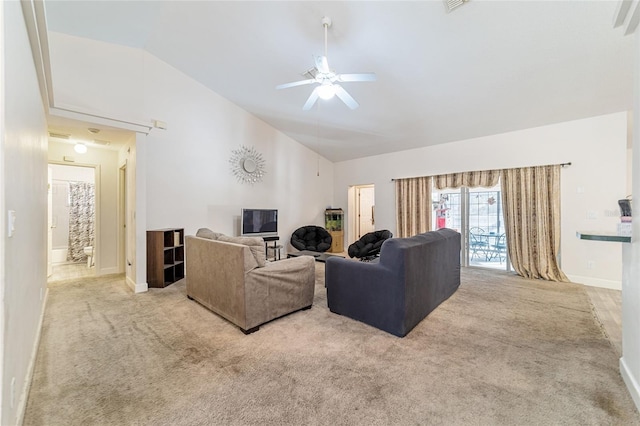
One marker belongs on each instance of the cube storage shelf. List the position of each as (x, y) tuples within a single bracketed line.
[(165, 256)]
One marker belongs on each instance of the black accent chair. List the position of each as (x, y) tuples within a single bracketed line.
[(312, 238), (368, 246)]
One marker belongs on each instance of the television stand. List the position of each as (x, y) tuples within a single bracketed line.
[(275, 247)]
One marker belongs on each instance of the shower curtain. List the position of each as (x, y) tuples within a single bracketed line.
[(81, 219)]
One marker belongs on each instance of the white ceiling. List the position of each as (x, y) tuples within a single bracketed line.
[(77, 131), (487, 67)]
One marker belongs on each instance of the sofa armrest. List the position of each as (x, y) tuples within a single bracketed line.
[(279, 288), (215, 275), (368, 292)]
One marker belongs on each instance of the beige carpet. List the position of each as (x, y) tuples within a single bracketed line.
[(501, 351)]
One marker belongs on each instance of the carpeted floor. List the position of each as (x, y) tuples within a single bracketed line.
[(501, 351)]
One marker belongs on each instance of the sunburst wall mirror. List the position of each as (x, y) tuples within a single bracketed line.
[(247, 165)]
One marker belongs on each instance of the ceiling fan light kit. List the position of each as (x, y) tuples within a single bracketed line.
[(327, 80), (326, 91)]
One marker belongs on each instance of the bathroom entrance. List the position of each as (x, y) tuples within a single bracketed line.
[(72, 218)]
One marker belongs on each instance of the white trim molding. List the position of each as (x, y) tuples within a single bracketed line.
[(596, 282), (137, 288), (22, 402), (630, 381)]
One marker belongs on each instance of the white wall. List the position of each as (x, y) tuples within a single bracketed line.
[(188, 179), (597, 178), (189, 183), (73, 173), (24, 186), (106, 163), (630, 361)]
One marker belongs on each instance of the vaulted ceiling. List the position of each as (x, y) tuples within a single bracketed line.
[(485, 68)]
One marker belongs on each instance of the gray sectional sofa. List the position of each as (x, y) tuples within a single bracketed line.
[(394, 293)]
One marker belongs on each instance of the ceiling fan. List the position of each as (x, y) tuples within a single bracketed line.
[(327, 79)]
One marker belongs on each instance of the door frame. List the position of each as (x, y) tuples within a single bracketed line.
[(96, 242), (358, 211), (353, 207), (122, 217)]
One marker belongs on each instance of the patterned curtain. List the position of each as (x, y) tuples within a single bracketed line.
[(531, 203), (81, 219), (484, 178), (413, 206)]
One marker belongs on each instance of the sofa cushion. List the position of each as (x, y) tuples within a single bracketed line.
[(256, 244), (208, 233)]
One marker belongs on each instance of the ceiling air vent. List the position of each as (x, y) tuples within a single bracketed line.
[(452, 4), (101, 142), (59, 135)]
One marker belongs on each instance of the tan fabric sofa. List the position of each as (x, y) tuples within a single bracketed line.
[(226, 278)]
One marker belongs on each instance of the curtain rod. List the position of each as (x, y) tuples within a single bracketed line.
[(561, 165)]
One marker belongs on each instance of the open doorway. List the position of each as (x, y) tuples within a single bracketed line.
[(72, 218), (361, 211), (110, 151)]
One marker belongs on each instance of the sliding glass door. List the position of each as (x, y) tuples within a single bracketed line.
[(477, 214)]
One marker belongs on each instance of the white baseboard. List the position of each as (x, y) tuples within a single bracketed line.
[(596, 282), (22, 402), (630, 381), (137, 288), (107, 271)]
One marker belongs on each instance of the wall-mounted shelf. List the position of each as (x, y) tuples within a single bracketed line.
[(165, 256)]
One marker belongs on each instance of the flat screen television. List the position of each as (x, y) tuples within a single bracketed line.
[(259, 222)]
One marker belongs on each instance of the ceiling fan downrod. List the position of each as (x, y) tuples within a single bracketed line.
[(326, 23)]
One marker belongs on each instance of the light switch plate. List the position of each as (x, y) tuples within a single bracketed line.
[(11, 222)]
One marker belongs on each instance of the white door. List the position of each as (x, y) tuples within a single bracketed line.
[(365, 198), (50, 221)]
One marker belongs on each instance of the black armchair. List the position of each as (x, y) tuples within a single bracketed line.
[(311, 237), (368, 246)]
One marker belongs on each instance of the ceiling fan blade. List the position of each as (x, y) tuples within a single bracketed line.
[(295, 83), (311, 101), (365, 76), (322, 64), (346, 97)]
